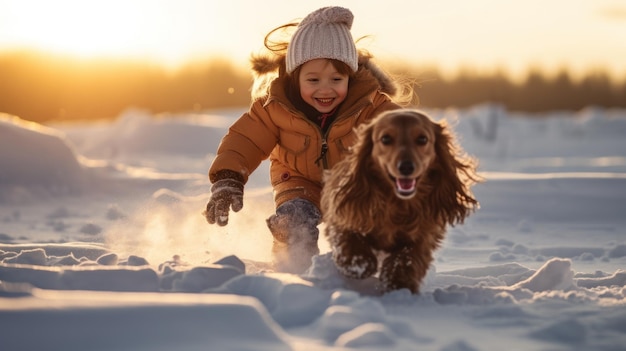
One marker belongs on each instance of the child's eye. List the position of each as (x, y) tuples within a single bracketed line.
[(312, 80)]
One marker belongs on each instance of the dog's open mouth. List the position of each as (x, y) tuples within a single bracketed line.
[(406, 187)]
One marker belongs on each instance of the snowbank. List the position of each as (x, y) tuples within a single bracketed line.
[(102, 245), (37, 159), (262, 306), (138, 321)]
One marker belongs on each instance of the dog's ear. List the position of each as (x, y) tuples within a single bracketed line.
[(363, 147), (452, 176), (358, 161), (351, 197)]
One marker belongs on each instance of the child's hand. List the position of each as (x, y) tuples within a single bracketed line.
[(225, 194)]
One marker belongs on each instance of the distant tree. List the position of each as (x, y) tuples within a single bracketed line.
[(44, 87)]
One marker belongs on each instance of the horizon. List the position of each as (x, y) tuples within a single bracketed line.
[(84, 63), (66, 88), (511, 38)]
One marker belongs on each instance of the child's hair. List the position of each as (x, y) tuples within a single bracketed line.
[(272, 64)]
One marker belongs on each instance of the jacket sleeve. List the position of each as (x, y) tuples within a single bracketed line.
[(248, 142)]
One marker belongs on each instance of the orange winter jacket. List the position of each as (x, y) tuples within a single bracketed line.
[(274, 128)]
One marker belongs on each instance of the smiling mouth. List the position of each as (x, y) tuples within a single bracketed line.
[(405, 187), (327, 101)]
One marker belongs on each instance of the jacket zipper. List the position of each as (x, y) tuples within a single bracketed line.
[(324, 149), (323, 152)]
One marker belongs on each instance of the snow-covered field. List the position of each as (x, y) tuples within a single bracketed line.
[(103, 245)]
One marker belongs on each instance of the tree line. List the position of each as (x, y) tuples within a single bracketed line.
[(43, 88), (537, 92)]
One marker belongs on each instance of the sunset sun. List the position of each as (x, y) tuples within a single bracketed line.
[(81, 28), (160, 31), (486, 34)]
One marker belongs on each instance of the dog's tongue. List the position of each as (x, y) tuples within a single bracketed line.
[(405, 184)]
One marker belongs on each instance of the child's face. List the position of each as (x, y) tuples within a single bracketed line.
[(321, 85)]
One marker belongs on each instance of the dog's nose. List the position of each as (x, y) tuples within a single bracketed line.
[(406, 167)]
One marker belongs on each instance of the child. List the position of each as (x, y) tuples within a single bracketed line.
[(304, 123)]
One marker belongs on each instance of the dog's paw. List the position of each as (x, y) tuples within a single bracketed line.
[(357, 266), (401, 272)]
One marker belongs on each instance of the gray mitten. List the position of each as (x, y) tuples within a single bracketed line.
[(226, 194)]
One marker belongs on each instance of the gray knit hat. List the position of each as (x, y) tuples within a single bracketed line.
[(324, 33)]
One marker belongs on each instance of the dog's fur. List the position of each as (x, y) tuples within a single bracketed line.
[(392, 197)]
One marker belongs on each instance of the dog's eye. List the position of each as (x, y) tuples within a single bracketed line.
[(421, 140), (386, 139)]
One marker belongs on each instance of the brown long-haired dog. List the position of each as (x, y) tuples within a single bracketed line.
[(392, 197)]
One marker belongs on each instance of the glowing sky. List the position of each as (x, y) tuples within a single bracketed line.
[(486, 34)]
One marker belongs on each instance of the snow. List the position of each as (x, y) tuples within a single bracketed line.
[(103, 245)]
